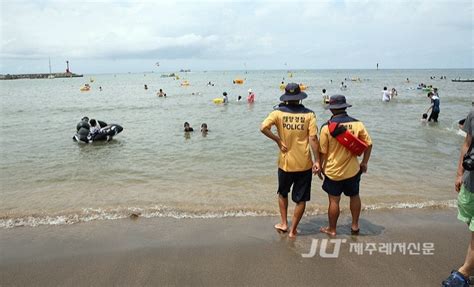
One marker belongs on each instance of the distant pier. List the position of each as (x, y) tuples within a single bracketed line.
[(38, 76)]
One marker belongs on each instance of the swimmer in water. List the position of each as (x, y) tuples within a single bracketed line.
[(187, 127), (161, 93), (204, 128)]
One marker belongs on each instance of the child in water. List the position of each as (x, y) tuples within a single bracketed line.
[(204, 128), (424, 118), (187, 127)]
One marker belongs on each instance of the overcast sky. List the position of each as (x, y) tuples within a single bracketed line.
[(131, 36)]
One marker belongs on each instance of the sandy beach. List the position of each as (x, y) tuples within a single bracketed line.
[(231, 252)]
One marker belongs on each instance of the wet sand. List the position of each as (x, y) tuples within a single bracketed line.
[(230, 252)]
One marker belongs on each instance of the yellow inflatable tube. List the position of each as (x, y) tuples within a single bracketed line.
[(218, 100)]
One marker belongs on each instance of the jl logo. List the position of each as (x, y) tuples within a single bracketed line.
[(323, 248)]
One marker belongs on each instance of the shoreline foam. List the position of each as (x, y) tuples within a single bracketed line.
[(95, 214)]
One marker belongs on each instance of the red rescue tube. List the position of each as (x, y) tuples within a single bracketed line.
[(346, 138)]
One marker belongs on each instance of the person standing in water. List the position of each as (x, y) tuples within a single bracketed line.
[(251, 96), (225, 99), (434, 107), (325, 97), (296, 138), (385, 95), (393, 93)]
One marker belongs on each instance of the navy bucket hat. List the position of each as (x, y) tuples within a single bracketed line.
[(293, 93), (338, 102)]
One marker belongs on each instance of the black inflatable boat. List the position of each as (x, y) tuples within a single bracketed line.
[(106, 132)]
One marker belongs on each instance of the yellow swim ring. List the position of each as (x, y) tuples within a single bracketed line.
[(218, 100), (282, 86)]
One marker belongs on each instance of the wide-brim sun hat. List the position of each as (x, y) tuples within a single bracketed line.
[(293, 93), (338, 102)]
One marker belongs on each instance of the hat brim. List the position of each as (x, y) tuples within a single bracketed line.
[(287, 97), (338, 106)]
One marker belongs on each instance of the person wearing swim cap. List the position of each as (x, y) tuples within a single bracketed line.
[(340, 166), (297, 136)]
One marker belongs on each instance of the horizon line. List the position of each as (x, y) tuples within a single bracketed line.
[(244, 70)]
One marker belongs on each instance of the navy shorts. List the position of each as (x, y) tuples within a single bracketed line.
[(301, 181), (350, 186)]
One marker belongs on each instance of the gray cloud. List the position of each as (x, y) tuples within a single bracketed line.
[(320, 34)]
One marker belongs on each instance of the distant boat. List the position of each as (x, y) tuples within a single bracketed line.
[(463, 80)]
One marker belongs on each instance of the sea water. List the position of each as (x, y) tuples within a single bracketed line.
[(154, 169)]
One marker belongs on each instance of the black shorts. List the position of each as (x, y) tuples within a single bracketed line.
[(350, 186), (301, 181), (433, 116)]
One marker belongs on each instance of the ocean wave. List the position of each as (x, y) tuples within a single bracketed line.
[(92, 214), (404, 205)]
